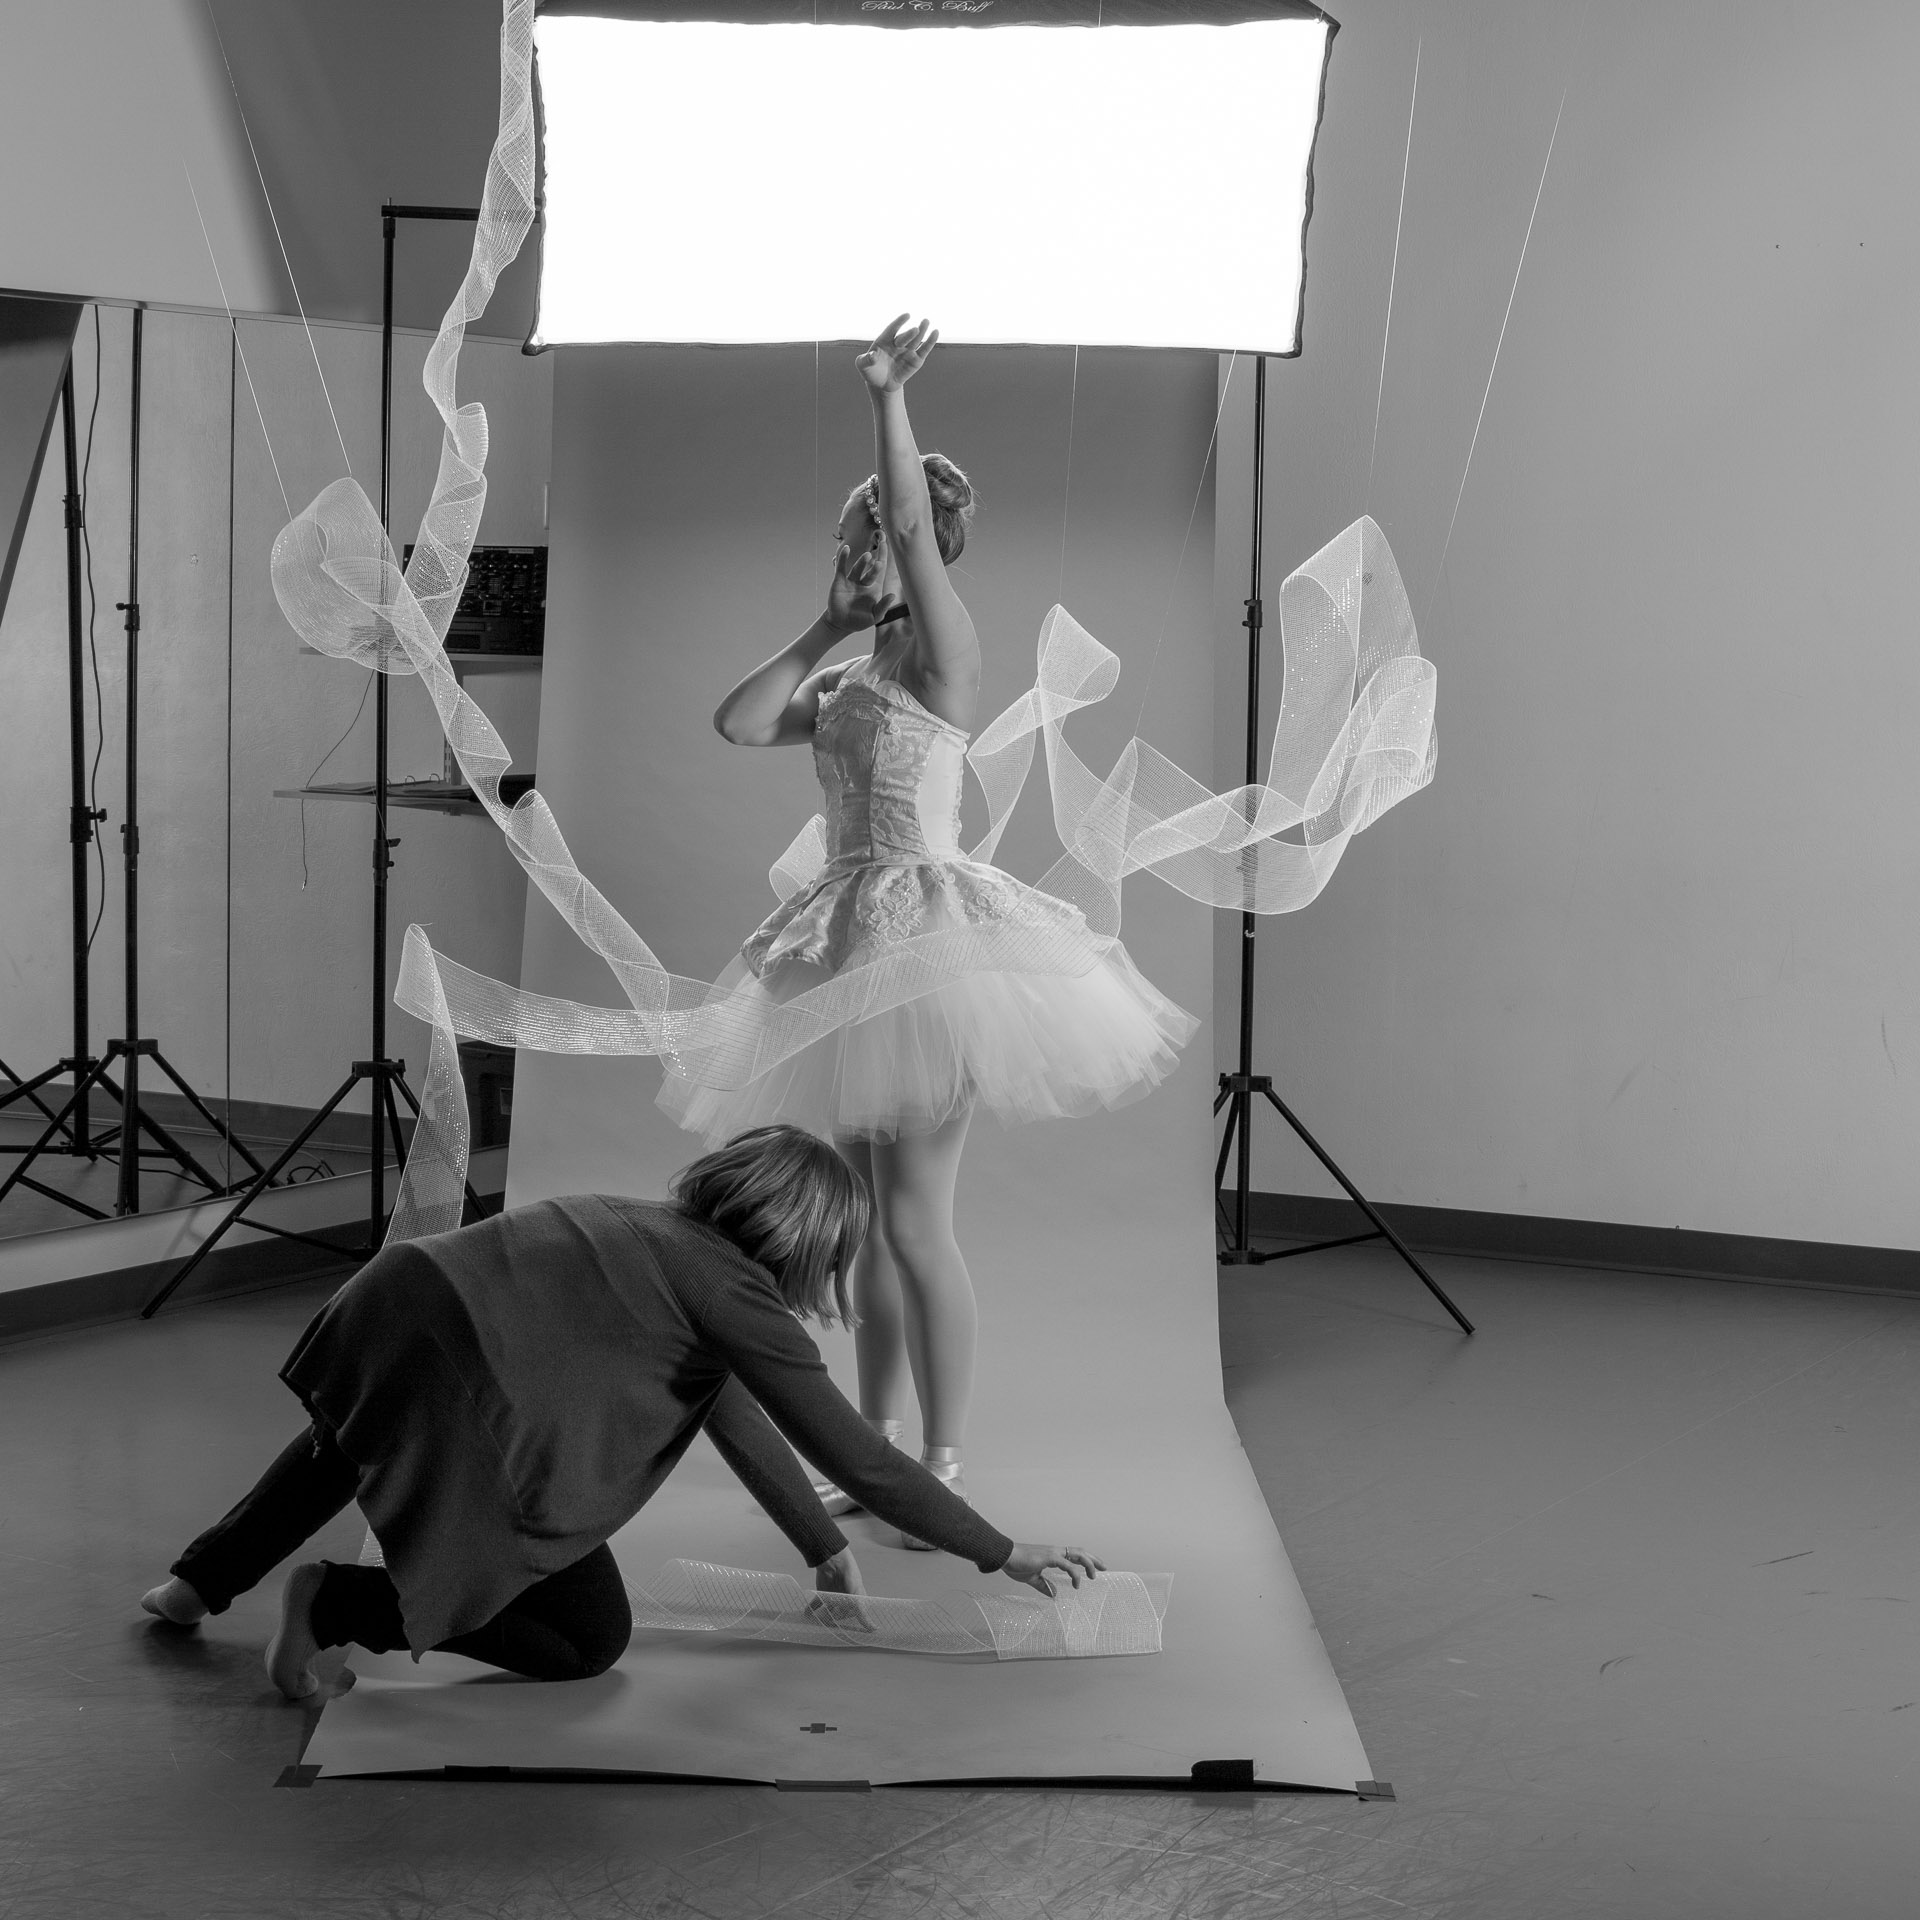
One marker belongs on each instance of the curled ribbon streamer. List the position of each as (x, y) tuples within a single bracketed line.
[(1354, 737)]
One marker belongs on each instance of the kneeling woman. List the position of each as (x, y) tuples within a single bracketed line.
[(502, 1399)]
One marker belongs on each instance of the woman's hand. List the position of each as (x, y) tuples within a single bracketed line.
[(1029, 1564), (897, 355), (854, 595), (841, 1574)]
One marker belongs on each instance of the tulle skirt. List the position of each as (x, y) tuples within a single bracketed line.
[(1019, 1045)]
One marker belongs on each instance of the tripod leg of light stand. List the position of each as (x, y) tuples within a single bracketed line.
[(174, 1151), (1366, 1206), (260, 1185), (27, 1089), (17, 1177), (206, 1113), (1234, 1119)]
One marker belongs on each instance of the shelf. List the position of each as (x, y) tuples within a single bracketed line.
[(423, 796)]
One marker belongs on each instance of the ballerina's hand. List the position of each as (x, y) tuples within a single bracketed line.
[(855, 595), (897, 354), (1028, 1565), (841, 1575)]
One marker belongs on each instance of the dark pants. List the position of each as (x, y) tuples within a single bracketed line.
[(569, 1626)]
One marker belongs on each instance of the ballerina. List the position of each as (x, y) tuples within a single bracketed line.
[(958, 1021)]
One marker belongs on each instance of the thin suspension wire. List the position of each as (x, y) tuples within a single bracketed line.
[(220, 282), (1439, 572), (1193, 514), (1393, 277), (1066, 496), (260, 175)]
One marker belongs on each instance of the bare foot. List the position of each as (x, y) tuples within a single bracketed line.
[(293, 1650), (174, 1602)]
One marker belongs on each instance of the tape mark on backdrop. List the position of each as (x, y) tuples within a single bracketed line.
[(1354, 737)]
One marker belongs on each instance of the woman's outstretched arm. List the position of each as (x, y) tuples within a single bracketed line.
[(945, 662), (777, 703)]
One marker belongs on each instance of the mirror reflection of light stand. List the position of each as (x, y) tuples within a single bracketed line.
[(1239, 1090), (72, 1134), (385, 1076), (70, 1125)]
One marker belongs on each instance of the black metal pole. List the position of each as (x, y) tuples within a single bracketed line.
[(128, 1198), (1239, 1090), (80, 815), (1249, 922), (376, 1144)]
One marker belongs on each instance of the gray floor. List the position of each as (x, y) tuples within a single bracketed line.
[(1620, 1591)]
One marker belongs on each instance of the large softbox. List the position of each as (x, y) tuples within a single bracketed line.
[(1085, 172)]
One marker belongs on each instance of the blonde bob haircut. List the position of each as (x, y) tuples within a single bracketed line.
[(788, 1201)]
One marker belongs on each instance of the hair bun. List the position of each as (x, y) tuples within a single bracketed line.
[(950, 493)]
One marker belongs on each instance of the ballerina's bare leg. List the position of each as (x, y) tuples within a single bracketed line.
[(912, 1290)]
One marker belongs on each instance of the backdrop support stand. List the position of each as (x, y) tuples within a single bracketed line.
[(385, 1076), (1239, 1090), (69, 1130)]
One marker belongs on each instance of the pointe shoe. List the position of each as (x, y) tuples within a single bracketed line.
[(293, 1649), (944, 1464), (175, 1602)]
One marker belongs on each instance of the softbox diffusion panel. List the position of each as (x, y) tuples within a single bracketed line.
[(1055, 172)]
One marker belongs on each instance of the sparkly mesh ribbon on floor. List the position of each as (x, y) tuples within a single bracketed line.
[(1117, 1613), (1354, 736)]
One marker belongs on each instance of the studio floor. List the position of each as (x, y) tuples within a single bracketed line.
[(1620, 1592)]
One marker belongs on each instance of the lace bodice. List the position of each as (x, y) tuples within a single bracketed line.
[(890, 773)]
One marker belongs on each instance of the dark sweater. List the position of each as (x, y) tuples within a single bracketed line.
[(514, 1392)]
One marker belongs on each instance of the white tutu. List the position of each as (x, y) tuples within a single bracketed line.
[(1022, 1046), (953, 984)]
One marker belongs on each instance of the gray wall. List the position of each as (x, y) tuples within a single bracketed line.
[(107, 107), (1645, 950), (220, 731)]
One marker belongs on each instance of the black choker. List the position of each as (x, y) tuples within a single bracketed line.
[(892, 614)]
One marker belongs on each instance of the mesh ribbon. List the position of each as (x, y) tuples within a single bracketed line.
[(1117, 1613), (1354, 736)]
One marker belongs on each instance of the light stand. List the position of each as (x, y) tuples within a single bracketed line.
[(386, 1076), (72, 1135), (1238, 1090), (71, 1121)]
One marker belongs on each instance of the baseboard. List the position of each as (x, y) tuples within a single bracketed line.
[(1598, 1243)]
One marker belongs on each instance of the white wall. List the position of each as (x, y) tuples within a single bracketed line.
[(300, 986), (1645, 951)]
